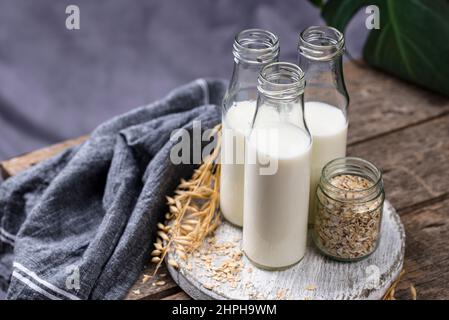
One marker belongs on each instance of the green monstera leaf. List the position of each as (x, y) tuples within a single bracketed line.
[(412, 41)]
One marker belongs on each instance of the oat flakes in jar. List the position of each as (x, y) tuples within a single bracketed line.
[(350, 197)]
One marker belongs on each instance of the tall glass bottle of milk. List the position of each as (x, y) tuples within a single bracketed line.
[(252, 50), (277, 171), (326, 98)]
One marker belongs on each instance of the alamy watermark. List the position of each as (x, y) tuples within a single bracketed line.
[(73, 20), (194, 145), (373, 19), (72, 281), (372, 280)]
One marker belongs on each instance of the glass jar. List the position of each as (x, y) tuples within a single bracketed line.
[(349, 199), (253, 49), (277, 171), (325, 96)]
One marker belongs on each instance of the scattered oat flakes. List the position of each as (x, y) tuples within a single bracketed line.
[(280, 294), (413, 291), (145, 278), (173, 263), (208, 286), (311, 287)]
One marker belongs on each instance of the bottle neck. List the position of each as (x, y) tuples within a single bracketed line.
[(252, 50), (243, 84), (271, 111), (321, 57), (281, 89), (326, 75)]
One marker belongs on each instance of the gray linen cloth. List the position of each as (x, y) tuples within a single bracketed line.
[(80, 225)]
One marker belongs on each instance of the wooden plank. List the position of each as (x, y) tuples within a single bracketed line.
[(427, 254), (416, 175), (178, 296), (11, 167), (146, 288), (414, 161), (380, 103)]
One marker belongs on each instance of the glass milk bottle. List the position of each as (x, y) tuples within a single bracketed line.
[(252, 49), (277, 171), (326, 99)]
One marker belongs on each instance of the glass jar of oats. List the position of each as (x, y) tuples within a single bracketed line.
[(349, 203)]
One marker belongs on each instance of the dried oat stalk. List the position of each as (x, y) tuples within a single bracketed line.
[(193, 211), (390, 294)]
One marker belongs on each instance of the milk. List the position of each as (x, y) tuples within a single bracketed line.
[(276, 206), (236, 126), (329, 128)]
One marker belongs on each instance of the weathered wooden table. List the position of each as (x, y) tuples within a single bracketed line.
[(402, 129)]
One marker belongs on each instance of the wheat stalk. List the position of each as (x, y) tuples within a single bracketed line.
[(193, 211), (390, 294)]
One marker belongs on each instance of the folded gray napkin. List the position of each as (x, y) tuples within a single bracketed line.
[(80, 225)]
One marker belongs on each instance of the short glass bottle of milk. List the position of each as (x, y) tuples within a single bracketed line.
[(277, 171), (326, 99), (252, 50)]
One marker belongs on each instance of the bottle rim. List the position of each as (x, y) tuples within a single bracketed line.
[(255, 46), (321, 43), (281, 80)]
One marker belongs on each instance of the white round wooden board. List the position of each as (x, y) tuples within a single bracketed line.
[(315, 277)]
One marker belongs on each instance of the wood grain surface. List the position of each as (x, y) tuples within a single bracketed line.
[(15, 165), (405, 131)]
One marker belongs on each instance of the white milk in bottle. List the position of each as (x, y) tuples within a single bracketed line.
[(277, 171), (252, 50), (276, 205), (326, 98), (329, 128), (236, 126)]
